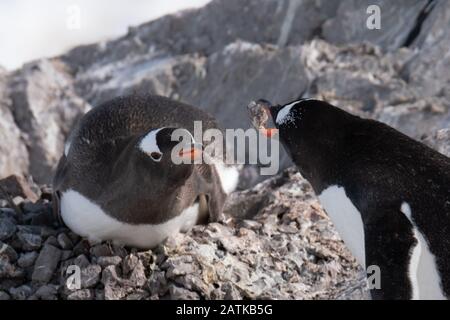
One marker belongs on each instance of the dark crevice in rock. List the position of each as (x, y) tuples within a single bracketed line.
[(414, 33)]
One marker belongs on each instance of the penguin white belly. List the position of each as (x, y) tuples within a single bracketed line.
[(422, 270), (347, 220), (87, 219), (229, 176)]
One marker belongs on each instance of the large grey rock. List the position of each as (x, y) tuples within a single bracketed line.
[(210, 29), (223, 55), (440, 140), (44, 107), (427, 71), (435, 26), (398, 20), (231, 78), (13, 153), (418, 118)]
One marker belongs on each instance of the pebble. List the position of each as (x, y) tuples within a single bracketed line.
[(4, 296), (8, 251), (83, 294), (29, 241), (90, 276), (64, 241), (108, 261), (7, 228), (47, 292), (46, 264), (27, 259), (178, 293), (21, 293)]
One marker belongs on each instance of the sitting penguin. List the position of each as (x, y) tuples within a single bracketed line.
[(117, 180), (387, 194)]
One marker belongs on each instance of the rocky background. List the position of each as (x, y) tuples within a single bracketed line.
[(279, 243)]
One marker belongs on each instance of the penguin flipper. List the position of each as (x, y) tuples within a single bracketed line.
[(209, 184), (56, 207), (388, 241)]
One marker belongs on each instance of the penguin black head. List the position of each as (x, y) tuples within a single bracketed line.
[(169, 152), (312, 131)]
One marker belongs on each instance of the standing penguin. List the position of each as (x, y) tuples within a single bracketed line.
[(117, 180), (387, 195)]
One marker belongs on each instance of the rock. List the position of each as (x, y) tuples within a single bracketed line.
[(8, 270), (47, 292), (231, 293), (426, 70), (101, 250), (52, 241), (177, 293), (82, 247), (45, 107), (90, 276), (138, 295), (114, 286), (81, 261), (129, 264), (8, 251), (109, 261), (137, 277), (157, 283), (7, 228), (416, 119), (21, 293), (66, 254), (36, 208), (64, 241), (13, 152), (27, 259), (4, 296), (440, 141), (46, 264), (16, 185), (43, 218), (84, 294), (200, 31), (398, 19), (29, 241), (275, 241)]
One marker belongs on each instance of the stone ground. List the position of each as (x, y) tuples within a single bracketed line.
[(273, 242)]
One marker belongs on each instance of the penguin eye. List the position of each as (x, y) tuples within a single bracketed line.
[(156, 156)]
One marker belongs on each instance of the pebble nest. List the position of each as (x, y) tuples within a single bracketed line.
[(273, 242)]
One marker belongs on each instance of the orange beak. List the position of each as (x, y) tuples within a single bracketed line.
[(269, 132), (192, 153)]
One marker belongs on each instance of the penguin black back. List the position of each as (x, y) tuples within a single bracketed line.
[(397, 187)]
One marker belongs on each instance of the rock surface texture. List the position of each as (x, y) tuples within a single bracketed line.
[(228, 53), (274, 241)]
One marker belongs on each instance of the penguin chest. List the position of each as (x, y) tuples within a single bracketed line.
[(86, 218), (347, 220)]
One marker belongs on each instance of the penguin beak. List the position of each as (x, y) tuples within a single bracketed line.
[(192, 152), (260, 113), (268, 132)]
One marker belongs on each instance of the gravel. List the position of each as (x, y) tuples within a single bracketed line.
[(276, 244)]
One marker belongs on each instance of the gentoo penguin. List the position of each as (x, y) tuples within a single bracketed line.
[(117, 180), (387, 195)]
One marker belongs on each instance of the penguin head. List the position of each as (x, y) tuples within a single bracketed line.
[(310, 130), (170, 153)]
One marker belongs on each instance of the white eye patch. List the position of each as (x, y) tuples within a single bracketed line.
[(149, 145), (284, 115)]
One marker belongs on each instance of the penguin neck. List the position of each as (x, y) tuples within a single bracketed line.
[(317, 161)]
